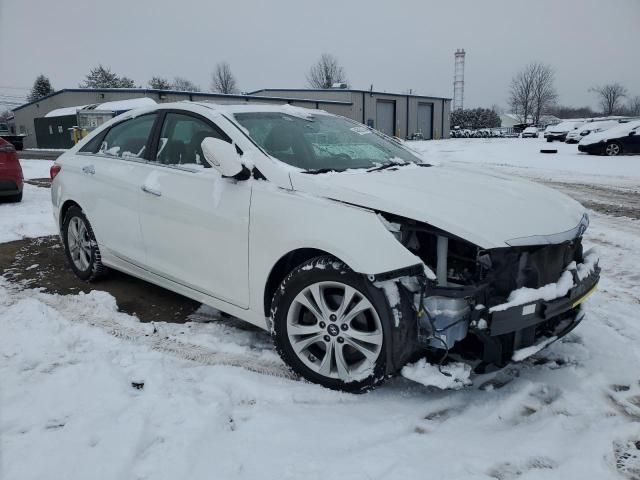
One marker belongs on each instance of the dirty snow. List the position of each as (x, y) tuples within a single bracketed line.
[(453, 375), (68, 408)]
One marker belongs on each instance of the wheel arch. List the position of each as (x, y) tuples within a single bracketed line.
[(63, 211), (283, 267)]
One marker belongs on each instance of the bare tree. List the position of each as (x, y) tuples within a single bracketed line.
[(521, 93), (544, 93), (183, 85), (326, 72), (633, 106), (610, 97), (222, 80)]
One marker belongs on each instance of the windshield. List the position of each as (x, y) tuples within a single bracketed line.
[(322, 142)]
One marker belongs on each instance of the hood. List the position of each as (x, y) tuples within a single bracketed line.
[(485, 209), (565, 127)]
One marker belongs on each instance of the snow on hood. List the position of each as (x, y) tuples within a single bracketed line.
[(565, 127), (615, 132), (485, 209)]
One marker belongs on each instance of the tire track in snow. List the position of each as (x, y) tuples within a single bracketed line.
[(74, 309)]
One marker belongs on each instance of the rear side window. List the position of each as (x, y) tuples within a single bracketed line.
[(181, 138), (129, 138), (93, 145)]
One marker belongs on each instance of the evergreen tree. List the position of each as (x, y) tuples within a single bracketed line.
[(103, 77), (41, 88), (159, 83)]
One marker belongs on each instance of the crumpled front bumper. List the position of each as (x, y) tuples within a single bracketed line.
[(515, 333)]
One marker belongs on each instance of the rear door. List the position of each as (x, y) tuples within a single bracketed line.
[(195, 224), (112, 168)]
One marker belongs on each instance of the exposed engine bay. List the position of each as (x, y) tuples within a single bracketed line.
[(464, 308)]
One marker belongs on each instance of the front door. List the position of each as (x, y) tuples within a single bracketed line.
[(195, 224)]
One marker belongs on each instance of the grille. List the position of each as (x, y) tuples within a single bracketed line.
[(530, 267)]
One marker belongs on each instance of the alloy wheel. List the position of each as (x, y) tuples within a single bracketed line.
[(335, 330), (612, 149), (79, 243)]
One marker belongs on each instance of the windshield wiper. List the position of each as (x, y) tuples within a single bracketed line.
[(385, 166)]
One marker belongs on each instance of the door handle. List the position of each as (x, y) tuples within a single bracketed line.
[(146, 189), (89, 169)]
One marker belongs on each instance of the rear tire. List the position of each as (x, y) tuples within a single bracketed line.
[(613, 149), (330, 326), (81, 247), (17, 198)]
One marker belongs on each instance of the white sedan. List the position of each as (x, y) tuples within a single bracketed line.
[(357, 254)]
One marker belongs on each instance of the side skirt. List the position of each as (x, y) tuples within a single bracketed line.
[(116, 263)]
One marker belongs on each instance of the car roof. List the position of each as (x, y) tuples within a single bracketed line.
[(232, 109)]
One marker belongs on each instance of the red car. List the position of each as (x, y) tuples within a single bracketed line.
[(11, 179)]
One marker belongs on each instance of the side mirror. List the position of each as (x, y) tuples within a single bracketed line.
[(222, 155)]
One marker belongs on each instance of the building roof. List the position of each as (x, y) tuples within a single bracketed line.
[(152, 91), (64, 111), (345, 90)]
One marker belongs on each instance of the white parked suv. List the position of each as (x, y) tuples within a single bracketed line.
[(354, 252)]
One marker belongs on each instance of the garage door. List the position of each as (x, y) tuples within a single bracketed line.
[(425, 114), (385, 116)]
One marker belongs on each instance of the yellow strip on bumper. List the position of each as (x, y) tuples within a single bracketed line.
[(584, 297)]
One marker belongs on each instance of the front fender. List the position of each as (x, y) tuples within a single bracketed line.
[(282, 221)]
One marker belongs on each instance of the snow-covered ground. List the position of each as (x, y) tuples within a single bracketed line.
[(68, 365), (521, 156), (32, 217)]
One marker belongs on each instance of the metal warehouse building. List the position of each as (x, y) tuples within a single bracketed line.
[(394, 114)]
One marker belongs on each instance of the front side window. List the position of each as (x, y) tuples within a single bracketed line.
[(181, 139), (129, 138), (319, 142)]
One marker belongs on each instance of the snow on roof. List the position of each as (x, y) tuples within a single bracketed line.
[(63, 112), (122, 105), (254, 107)]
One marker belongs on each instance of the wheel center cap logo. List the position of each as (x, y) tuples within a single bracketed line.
[(333, 329)]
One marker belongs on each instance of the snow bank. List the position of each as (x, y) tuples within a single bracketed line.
[(428, 374), (28, 219)]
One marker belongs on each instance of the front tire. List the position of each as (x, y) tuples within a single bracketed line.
[(81, 247), (330, 325), (612, 149)]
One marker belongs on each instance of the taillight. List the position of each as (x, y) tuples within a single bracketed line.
[(54, 170)]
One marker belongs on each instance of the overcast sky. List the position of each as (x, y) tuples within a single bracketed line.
[(392, 45)]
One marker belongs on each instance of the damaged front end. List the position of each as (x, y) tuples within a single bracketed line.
[(491, 306)]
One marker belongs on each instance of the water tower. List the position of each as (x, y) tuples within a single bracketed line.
[(458, 80)]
